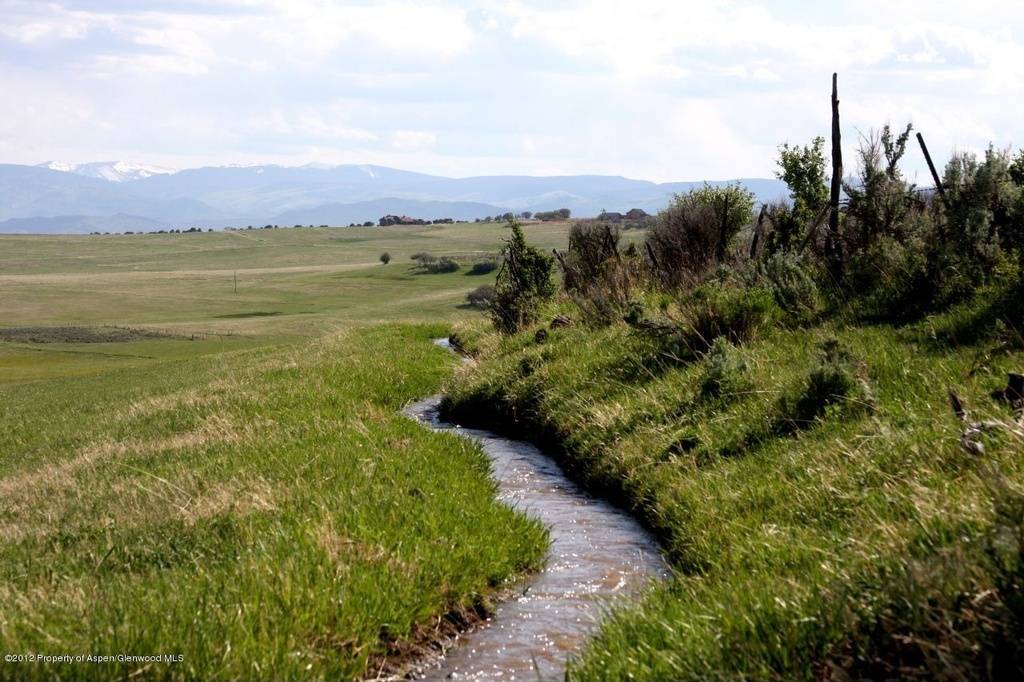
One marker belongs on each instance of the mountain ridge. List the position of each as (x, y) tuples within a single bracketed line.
[(219, 196)]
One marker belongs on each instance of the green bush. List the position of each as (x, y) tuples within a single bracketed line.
[(483, 267), (832, 386), (792, 285), (725, 371), (803, 171), (986, 212), (428, 262), (445, 264), (599, 278), (712, 311), (482, 297), (717, 310), (523, 282), (690, 237), (880, 199), (592, 245)]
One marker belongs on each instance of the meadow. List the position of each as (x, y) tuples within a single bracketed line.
[(191, 471)]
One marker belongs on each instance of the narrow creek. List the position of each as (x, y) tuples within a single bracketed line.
[(598, 554)]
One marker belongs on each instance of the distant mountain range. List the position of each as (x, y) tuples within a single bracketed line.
[(118, 196), (115, 171)]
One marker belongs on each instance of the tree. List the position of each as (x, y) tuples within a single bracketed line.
[(1016, 169), (523, 282), (385, 258), (803, 171)]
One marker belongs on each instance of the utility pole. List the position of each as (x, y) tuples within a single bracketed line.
[(236, 281)]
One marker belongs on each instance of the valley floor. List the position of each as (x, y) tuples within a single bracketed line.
[(226, 477)]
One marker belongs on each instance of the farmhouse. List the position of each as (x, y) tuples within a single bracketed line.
[(616, 217)]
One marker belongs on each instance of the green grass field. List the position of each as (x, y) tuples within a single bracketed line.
[(190, 470), (292, 284)]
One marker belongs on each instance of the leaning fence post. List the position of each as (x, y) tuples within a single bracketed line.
[(935, 175)]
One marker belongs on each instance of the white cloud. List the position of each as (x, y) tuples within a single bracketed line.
[(663, 90), (320, 26), (413, 139)]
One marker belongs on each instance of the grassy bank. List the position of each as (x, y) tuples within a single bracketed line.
[(276, 517), (862, 539)]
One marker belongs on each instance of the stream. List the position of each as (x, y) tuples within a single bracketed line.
[(598, 554)]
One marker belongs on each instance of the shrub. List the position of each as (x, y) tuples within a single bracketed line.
[(713, 311), (786, 229), (880, 199), (691, 236), (385, 258), (734, 313), (434, 265), (523, 282), (560, 214), (483, 267), (831, 385), (725, 371), (591, 246), (445, 264), (599, 279), (482, 297), (985, 209), (791, 284)]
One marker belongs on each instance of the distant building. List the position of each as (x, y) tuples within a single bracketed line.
[(637, 214), (610, 216)]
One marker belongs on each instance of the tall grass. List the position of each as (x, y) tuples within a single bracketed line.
[(799, 552), (267, 515)]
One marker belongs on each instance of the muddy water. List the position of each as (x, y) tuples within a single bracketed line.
[(598, 554)]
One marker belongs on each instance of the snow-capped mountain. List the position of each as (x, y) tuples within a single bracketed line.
[(83, 196), (113, 171)]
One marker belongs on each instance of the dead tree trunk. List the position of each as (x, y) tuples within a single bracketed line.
[(758, 236), (654, 259), (931, 166), (832, 244), (723, 236)]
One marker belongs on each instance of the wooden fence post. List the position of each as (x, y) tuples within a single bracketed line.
[(931, 166), (832, 244)]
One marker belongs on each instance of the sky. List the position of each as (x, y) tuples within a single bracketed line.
[(653, 90)]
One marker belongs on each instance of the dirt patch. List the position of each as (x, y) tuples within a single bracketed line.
[(71, 334)]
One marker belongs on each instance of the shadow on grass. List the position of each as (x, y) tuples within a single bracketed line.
[(256, 313)]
